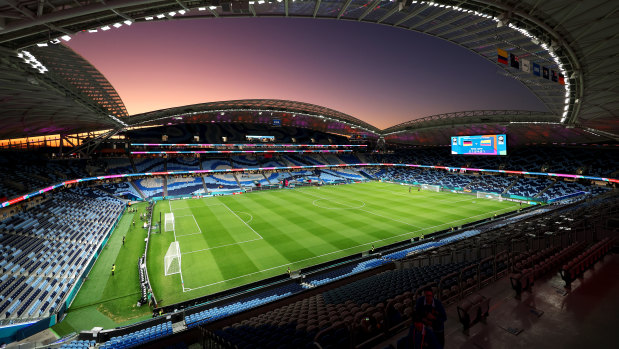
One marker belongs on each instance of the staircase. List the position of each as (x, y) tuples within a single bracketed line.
[(138, 190), (165, 178), (542, 192), (468, 186), (265, 177), (202, 178), (135, 170), (366, 175), (510, 186), (237, 180)]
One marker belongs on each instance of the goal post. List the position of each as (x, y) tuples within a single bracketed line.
[(491, 196), (169, 221), (172, 259), (431, 187)]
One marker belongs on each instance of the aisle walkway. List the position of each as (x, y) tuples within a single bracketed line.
[(586, 316)]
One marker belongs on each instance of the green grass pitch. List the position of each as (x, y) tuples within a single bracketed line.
[(229, 241)]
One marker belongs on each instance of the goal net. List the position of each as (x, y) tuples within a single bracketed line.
[(491, 196), (172, 259), (169, 222), (431, 187)]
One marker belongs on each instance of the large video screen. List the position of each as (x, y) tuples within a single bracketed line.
[(479, 145)]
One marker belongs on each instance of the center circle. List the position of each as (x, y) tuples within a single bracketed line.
[(339, 204)]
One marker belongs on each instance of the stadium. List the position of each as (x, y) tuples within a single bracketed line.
[(279, 223)]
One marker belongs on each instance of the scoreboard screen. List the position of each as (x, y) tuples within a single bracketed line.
[(479, 145)]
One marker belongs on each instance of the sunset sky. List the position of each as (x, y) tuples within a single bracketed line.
[(379, 74)]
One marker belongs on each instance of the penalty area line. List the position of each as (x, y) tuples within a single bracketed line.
[(220, 246)]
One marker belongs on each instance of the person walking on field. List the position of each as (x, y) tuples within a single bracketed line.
[(113, 269)]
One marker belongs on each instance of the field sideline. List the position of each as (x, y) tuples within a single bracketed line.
[(229, 241)]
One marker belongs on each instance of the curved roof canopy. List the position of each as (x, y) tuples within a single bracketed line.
[(53, 90), (255, 107), (576, 38)]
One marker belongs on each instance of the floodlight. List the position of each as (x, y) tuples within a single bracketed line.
[(202, 8), (182, 12), (160, 16), (212, 7), (128, 22), (117, 25), (172, 14), (65, 37), (149, 18), (42, 44), (92, 30), (107, 27)]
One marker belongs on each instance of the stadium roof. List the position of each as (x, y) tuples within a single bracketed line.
[(262, 106), (578, 39), (71, 95)]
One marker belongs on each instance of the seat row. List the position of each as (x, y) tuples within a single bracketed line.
[(577, 266), (523, 279)]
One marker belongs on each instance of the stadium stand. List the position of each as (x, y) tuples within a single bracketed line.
[(46, 249), (140, 337), (529, 187), (184, 186), (491, 184)]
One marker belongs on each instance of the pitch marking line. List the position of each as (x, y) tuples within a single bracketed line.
[(237, 216), (251, 217), (360, 209), (338, 208), (326, 254), (220, 246), (180, 269), (181, 235), (434, 200), (197, 225)]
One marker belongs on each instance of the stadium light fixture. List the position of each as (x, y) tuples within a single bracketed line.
[(149, 18), (42, 44), (160, 16), (66, 37), (172, 13), (128, 22), (202, 8), (104, 28), (92, 30), (212, 7), (260, 2), (182, 12), (117, 25)]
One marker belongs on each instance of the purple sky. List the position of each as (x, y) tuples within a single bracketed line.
[(379, 74)]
